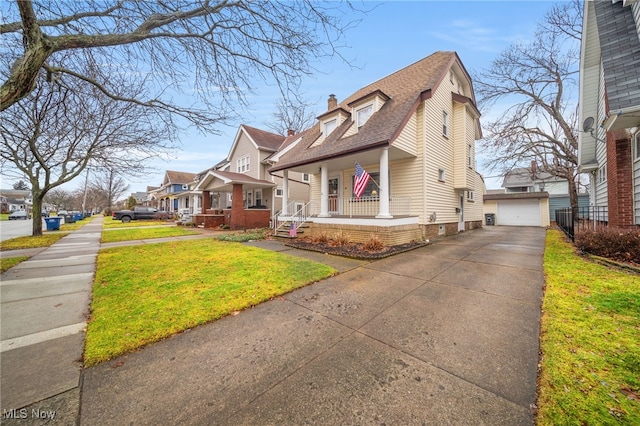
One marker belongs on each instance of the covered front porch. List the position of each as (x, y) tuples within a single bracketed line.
[(237, 217), (335, 208)]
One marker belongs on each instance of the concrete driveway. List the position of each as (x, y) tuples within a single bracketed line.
[(446, 334)]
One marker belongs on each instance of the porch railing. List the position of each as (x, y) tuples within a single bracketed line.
[(366, 206), (299, 216), (583, 218)]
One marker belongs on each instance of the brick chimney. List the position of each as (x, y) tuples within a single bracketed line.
[(332, 103), (291, 132)]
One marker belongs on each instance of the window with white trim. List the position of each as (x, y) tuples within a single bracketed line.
[(330, 126), (470, 196), (602, 174), (441, 175), (305, 177), (279, 192), (469, 159), (242, 164), (445, 123), (363, 115)]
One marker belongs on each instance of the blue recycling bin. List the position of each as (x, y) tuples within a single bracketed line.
[(69, 218), (78, 216), (53, 223)]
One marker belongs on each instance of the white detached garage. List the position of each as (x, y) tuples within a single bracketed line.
[(517, 209)]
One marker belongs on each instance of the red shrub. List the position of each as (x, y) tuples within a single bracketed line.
[(617, 244)]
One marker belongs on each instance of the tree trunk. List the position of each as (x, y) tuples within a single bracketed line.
[(36, 213), (573, 196)]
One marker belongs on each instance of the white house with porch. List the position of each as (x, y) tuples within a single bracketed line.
[(414, 133)]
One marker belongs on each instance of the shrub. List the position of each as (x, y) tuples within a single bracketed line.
[(340, 239), (321, 238), (613, 243), (162, 216), (373, 244)]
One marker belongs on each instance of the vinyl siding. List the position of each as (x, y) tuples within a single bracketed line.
[(407, 140), (441, 197), (636, 178), (601, 152), (243, 148), (473, 209), (458, 137)]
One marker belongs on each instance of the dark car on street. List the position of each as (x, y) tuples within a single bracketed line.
[(19, 214)]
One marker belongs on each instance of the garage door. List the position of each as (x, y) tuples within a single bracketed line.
[(519, 212)]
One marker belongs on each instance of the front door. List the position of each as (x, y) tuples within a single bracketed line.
[(334, 195)]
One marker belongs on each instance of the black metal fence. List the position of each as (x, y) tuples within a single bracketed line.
[(592, 217)]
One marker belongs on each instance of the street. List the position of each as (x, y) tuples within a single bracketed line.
[(16, 228)]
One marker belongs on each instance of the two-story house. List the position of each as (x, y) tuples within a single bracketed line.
[(174, 188), (242, 189), (413, 132), (609, 143)]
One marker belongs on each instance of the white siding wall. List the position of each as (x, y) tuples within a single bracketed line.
[(601, 153), (473, 209)]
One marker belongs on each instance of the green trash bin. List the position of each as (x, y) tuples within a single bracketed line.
[(53, 223)]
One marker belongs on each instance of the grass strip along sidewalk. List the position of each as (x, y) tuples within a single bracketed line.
[(116, 235), (143, 294), (590, 341)]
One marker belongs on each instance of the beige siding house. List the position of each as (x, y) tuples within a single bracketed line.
[(414, 132), (243, 179)]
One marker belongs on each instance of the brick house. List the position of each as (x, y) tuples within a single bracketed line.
[(609, 143)]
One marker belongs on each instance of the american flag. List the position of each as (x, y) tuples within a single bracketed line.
[(361, 180)]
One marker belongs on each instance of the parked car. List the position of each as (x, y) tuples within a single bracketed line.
[(135, 214), (19, 214)]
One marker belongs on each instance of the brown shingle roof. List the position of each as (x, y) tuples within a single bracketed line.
[(265, 140), (405, 88), (178, 177)]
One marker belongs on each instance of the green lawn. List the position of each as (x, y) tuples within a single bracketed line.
[(590, 341), (145, 293), (110, 223), (44, 240), (10, 262), (114, 235)]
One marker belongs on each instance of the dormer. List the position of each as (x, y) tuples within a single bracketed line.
[(330, 120), (363, 108)]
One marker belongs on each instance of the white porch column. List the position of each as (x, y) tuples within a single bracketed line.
[(324, 190), (285, 193), (384, 184)]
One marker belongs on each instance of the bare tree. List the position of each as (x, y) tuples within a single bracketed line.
[(212, 51), (109, 185), (59, 198), (54, 133), (540, 78), (291, 115)]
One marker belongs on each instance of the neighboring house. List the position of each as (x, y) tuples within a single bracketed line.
[(243, 180), (414, 132), (16, 199), (174, 188), (140, 197), (609, 143), (530, 179)]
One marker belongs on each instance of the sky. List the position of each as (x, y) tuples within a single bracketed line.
[(392, 36)]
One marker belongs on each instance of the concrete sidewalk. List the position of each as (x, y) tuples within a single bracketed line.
[(445, 334), (45, 303)]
